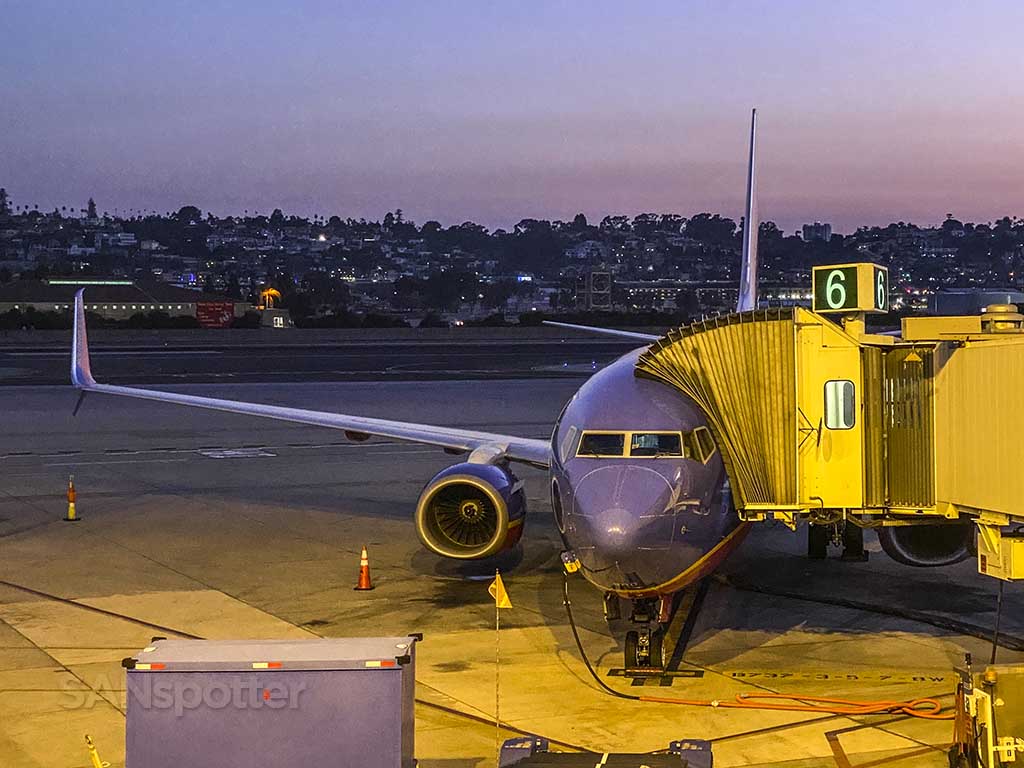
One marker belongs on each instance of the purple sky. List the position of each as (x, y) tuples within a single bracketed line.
[(497, 111)]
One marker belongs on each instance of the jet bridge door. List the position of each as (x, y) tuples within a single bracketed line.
[(831, 415)]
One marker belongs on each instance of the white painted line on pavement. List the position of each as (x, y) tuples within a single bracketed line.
[(129, 461), (112, 353)]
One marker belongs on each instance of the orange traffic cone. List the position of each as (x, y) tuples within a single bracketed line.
[(72, 516), (364, 572)]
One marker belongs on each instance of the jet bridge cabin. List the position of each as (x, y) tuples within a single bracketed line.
[(820, 421)]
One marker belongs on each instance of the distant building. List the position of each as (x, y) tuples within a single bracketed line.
[(115, 299), (594, 289), (114, 240), (817, 232), (275, 317), (971, 301), (590, 251), (705, 296)]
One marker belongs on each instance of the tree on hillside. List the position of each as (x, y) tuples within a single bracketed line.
[(189, 215), (711, 229)]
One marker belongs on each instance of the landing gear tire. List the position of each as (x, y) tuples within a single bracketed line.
[(645, 649), (631, 657), (657, 646)]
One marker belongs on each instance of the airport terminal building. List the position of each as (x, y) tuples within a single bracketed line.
[(119, 299)]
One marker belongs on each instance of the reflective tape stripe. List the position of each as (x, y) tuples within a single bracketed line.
[(266, 665), (146, 667)]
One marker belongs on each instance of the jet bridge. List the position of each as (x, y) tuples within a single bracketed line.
[(820, 421)]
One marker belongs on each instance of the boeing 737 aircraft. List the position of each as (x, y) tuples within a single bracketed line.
[(637, 484), (636, 480)]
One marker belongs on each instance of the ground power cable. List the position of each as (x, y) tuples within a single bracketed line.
[(924, 708)]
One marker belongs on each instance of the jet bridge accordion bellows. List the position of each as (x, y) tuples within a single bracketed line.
[(739, 369)]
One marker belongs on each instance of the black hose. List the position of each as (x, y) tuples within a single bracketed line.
[(999, 616), (579, 643)]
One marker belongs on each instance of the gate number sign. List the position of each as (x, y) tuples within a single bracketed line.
[(851, 288)]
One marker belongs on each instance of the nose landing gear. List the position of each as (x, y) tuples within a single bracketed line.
[(645, 646), (645, 649)]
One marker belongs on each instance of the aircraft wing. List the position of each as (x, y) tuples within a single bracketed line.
[(526, 450), (647, 338)]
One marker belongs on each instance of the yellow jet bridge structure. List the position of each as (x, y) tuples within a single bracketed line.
[(820, 421)]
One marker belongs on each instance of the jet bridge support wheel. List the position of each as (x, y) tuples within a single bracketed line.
[(817, 541), (853, 544)]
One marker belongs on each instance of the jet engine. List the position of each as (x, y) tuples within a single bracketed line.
[(471, 511), (928, 546)]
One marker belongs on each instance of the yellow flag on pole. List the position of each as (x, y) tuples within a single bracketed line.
[(497, 590)]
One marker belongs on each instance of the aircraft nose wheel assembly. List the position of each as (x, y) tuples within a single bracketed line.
[(645, 649), (645, 646)]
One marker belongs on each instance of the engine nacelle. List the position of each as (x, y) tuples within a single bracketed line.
[(471, 511), (928, 546)]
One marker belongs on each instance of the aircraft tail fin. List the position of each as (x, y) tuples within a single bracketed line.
[(748, 269), (81, 374)]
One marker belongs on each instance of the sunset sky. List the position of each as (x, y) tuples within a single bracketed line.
[(496, 111)]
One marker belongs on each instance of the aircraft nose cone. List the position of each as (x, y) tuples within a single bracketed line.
[(613, 527), (612, 504)]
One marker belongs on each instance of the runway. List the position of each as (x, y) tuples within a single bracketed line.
[(238, 356), (218, 525)]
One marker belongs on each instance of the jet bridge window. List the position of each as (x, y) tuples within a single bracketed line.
[(597, 444), (839, 404), (655, 444)]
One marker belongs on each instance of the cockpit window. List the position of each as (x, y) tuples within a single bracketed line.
[(651, 445), (656, 444), (602, 444), (568, 439), (703, 445)]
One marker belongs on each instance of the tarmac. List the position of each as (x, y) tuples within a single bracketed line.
[(238, 355), (223, 526)]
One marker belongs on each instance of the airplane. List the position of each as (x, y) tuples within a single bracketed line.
[(637, 484)]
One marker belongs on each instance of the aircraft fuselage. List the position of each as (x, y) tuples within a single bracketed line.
[(638, 488)]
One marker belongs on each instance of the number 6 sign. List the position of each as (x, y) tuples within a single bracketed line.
[(851, 288)]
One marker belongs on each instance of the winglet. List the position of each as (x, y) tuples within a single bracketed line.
[(748, 269), (81, 375)]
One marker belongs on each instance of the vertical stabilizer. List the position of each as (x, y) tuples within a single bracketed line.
[(748, 269)]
